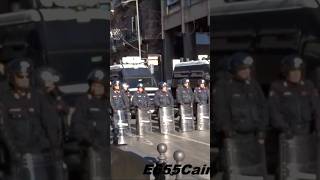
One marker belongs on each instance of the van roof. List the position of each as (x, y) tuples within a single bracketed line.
[(221, 7), (192, 63), (125, 66)]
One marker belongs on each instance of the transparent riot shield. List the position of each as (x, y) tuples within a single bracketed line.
[(203, 117), (97, 164), (186, 118), (245, 158), (298, 157), (143, 123), (166, 116), (120, 126), (32, 167)]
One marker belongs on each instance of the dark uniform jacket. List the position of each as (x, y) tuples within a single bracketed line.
[(163, 99), (30, 123), (201, 95), (141, 100), (293, 107), (89, 122), (62, 109), (239, 106), (119, 100), (184, 95)]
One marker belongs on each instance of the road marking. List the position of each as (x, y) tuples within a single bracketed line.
[(189, 139)]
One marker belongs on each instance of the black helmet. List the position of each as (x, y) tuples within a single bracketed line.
[(20, 65), (239, 61), (185, 80), (97, 75), (292, 62), (201, 81), (47, 74), (116, 83), (125, 85), (162, 84), (140, 85)]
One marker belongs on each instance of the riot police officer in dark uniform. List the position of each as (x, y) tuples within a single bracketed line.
[(163, 98), (90, 127), (119, 103), (125, 88), (164, 103), (294, 111), (241, 115), (201, 96), (47, 81), (140, 99), (201, 93), (293, 100), (141, 102), (184, 93), (30, 124), (118, 99), (185, 99)]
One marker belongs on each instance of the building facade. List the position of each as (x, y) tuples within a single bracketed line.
[(185, 30), (124, 41)]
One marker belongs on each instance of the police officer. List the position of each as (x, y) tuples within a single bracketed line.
[(30, 124), (293, 100), (163, 98), (125, 88), (47, 81), (184, 93), (201, 93), (141, 99), (119, 103), (89, 124), (247, 112), (141, 102), (164, 102), (240, 111), (118, 99)]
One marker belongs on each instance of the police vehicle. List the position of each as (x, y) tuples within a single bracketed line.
[(62, 34), (192, 70), (270, 30), (133, 70)]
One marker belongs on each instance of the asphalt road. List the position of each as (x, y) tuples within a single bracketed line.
[(195, 145)]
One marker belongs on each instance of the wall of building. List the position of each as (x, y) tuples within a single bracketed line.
[(123, 20), (183, 21)]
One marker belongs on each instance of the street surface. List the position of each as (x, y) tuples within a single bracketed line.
[(195, 145)]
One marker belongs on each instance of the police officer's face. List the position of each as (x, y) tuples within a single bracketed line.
[(117, 87), (97, 89), (22, 81), (294, 76), (140, 90), (164, 89), (244, 74)]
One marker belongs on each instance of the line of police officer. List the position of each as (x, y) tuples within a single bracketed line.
[(243, 116), (122, 100), (36, 134)]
